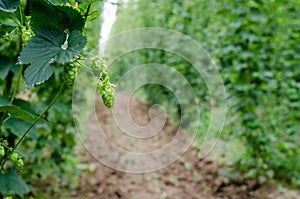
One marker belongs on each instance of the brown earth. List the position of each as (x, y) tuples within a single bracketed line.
[(189, 177)]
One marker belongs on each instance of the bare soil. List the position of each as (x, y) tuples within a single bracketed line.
[(187, 178)]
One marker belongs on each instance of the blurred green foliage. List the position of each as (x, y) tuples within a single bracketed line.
[(256, 45), (49, 154)]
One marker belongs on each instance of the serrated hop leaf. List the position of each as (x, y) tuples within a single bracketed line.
[(106, 90), (2, 151), (46, 48), (70, 74)]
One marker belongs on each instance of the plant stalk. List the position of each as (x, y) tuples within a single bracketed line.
[(34, 123)]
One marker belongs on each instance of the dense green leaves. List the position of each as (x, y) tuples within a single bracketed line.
[(41, 35), (256, 47), (47, 47), (58, 38), (9, 5), (46, 16)]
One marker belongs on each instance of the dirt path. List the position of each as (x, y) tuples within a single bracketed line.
[(189, 177)]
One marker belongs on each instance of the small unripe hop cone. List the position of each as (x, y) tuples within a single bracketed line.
[(17, 160), (69, 74), (106, 90), (2, 151)]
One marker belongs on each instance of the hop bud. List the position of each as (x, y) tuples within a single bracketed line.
[(70, 74), (17, 160), (27, 34), (106, 90), (19, 165), (14, 157), (2, 151)]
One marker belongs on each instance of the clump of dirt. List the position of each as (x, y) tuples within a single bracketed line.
[(189, 177)]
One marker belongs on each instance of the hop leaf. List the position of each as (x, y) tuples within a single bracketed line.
[(45, 48), (46, 16), (15, 184), (9, 5)]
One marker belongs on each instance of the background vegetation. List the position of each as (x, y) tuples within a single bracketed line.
[(48, 150), (256, 47), (255, 44)]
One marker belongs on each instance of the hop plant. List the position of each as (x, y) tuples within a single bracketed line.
[(106, 90), (17, 160), (69, 74)]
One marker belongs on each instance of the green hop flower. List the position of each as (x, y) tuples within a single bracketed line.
[(17, 160), (106, 90), (2, 151), (70, 74), (19, 165), (14, 157), (27, 34)]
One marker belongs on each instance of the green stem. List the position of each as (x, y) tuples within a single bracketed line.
[(21, 16), (8, 148), (34, 123), (83, 65), (87, 12), (16, 20), (6, 119)]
